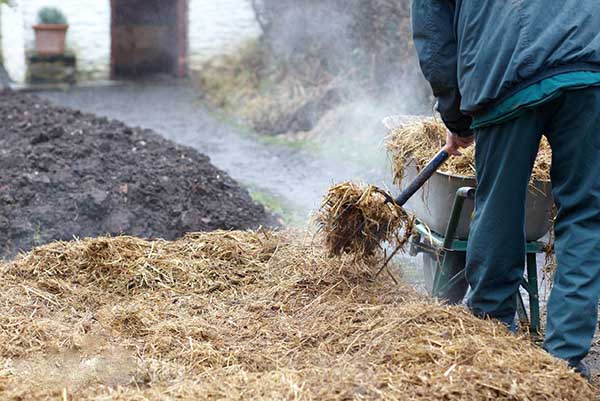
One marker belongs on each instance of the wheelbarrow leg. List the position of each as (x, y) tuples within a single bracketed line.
[(449, 282), (534, 299), (521, 312), (455, 286)]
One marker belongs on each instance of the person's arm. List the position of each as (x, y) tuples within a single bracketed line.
[(435, 40)]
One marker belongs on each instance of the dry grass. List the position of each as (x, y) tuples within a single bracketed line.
[(253, 87), (246, 315), (356, 220), (420, 139)]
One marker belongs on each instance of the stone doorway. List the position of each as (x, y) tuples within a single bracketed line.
[(148, 37)]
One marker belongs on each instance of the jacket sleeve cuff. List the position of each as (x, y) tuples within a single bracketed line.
[(449, 108), (463, 134)]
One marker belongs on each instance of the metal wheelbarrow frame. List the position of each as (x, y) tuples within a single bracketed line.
[(445, 272)]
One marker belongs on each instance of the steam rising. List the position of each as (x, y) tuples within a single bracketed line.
[(372, 86)]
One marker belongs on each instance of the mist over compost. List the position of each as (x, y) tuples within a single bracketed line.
[(246, 315), (365, 42), (314, 56), (324, 74), (68, 174)]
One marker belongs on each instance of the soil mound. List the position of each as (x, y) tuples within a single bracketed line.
[(65, 173), (247, 315)]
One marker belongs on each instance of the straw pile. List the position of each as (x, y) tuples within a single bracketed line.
[(356, 219), (246, 315), (419, 140)]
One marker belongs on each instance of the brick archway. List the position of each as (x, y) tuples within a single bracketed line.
[(148, 37)]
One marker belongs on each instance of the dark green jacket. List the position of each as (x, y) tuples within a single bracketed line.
[(476, 53)]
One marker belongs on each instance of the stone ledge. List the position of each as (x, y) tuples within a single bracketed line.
[(67, 58), (51, 69)]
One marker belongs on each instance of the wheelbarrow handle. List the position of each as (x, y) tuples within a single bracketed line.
[(422, 178)]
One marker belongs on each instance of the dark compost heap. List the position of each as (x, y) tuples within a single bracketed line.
[(65, 173)]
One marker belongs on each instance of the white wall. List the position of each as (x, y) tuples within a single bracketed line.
[(88, 36), (218, 27), (13, 41)]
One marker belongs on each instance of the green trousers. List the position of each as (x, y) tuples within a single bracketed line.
[(504, 160)]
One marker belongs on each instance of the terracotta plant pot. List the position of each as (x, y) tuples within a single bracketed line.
[(50, 38)]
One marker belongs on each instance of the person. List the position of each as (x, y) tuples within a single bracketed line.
[(504, 74)]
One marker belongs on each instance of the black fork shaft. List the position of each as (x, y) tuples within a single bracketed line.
[(422, 178)]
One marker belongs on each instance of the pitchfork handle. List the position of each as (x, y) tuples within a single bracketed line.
[(422, 178)]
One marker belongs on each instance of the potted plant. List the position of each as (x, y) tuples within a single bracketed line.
[(50, 32)]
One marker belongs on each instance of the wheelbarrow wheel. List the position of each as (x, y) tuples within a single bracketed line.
[(456, 262)]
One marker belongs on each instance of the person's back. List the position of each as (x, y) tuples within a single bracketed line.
[(504, 46), (508, 72), (490, 49)]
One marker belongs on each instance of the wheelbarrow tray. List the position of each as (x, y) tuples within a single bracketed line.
[(432, 205)]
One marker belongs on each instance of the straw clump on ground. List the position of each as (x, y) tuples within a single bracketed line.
[(418, 141), (246, 315), (356, 219)]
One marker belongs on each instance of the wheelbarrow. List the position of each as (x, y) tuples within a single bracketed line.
[(443, 209)]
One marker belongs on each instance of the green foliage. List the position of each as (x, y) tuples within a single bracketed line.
[(51, 16)]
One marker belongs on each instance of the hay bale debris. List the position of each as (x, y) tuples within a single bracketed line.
[(356, 219), (246, 315), (419, 139)]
